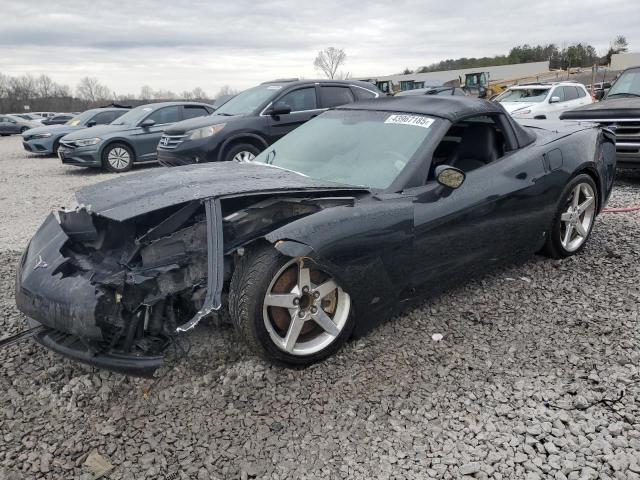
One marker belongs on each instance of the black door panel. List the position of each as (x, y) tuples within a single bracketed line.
[(499, 213)]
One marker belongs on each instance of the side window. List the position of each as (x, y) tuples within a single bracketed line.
[(191, 111), (570, 93), (470, 144), (581, 92), (558, 92), (363, 93), (103, 118), (301, 99), (334, 96), (165, 115)]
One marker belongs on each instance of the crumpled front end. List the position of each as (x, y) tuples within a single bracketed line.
[(112, 293)]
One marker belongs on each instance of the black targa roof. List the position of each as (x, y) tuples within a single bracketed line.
[(451, 108)]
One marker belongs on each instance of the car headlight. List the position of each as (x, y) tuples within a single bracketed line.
[(522, 112), (40, 135), (205, 132), (86, 142)]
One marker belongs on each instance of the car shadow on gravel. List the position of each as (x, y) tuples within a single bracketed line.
[(628, 177), (90, 171)]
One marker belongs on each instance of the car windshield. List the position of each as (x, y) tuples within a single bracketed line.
[(132, 117), (627, 84), (528, 95), (353, 147), (249, 100), (80, 119)]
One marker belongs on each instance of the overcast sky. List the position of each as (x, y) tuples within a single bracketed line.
[(183, 44)]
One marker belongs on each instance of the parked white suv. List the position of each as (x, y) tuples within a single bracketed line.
[(543, 100)]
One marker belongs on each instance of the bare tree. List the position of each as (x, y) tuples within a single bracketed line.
[(146, 92), (91, 90), (186, 95), (329, 60), (620, 44), (226, 90), (4, 85), (198, 94), (164, 95), (45, 87), (62, 91)]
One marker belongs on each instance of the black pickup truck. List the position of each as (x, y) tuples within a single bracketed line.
[(619, 110)]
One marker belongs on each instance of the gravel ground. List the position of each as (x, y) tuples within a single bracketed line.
[(537, 376)]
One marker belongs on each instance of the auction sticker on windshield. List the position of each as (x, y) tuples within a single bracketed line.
[(415, 120)]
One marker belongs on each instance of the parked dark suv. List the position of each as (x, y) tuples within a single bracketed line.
[(255, 118)]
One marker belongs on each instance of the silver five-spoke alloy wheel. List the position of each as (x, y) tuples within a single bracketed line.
[(577, 219), (304, 309), (118, 158), (244, 157)]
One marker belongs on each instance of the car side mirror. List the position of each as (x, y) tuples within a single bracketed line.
[(599, 94), (280, 108), (554, 100), (450, 177), (147, 123), (91, 123)]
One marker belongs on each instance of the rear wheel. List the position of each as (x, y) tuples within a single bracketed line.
[(23, 129), (56, 146), (117, 157), (286, 310), (243, 152), (574, 218)]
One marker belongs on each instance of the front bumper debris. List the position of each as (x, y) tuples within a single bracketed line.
[(78, 349)]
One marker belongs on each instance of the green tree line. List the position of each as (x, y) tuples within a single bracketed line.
[(575, 55)]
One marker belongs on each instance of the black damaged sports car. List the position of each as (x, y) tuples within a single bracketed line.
[(319, 237)]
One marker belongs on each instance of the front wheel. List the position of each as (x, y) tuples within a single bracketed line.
[(286, 310), (242, 152), (117, 158), (574, 218)]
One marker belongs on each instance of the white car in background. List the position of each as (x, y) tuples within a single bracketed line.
[(542, 101)]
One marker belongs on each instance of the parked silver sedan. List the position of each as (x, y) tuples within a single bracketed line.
[(12, 124)]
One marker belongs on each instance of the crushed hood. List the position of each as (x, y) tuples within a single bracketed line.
[(614, 108), (132, 195)]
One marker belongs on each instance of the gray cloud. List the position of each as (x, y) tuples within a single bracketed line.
[(191, 43)]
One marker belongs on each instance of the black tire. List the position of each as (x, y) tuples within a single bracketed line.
[(238, 149), (252, 276), (4, 134), (114, 168), (56, 145), (23, 129), (553, 247)]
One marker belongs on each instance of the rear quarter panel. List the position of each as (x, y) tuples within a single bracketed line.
[(583, 147)]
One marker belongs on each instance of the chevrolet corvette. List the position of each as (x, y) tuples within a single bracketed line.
[(318, 238)]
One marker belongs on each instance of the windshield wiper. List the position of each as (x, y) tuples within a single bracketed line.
[(623, 93), (223, 114)]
